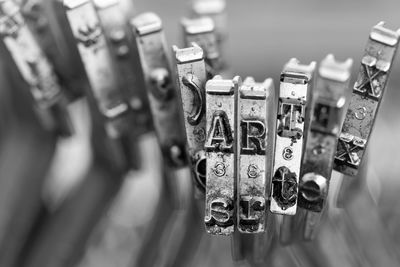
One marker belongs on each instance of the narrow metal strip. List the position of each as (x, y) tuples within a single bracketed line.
[(220, 153), (191, 79), (290, 137), (254, 153), (366, 98), (162, 94)]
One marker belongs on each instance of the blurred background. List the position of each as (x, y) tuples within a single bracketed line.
[(74, 212)]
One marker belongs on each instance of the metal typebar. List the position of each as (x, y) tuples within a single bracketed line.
[(220, 152), (191, 78), (366, 98), (329, 102), (202, 32), (160, 87), (98, 64), (296, 82), (122, 45), (255, 135), (35, 69)]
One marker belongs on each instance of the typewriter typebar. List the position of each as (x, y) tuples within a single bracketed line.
[(191, 78), (366, 97), (254, 152), (296, 82), (220, 154), (115, 23), (35, 69), (99, 65), (163, 97), (49, 24), (202, 32), (216, 10), (329, 99)]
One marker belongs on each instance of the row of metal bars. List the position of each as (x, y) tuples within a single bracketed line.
[(42, 228)]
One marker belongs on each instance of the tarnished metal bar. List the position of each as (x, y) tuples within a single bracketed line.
[(255, 138), (215, 9), (202, 32), (165, 107), (120, 39), (329, 99), (35, 69), (296, 82), (191, 78), (366, 98), (98, 63), (220, 153), (255, 134), (47, 21), (164, 102)]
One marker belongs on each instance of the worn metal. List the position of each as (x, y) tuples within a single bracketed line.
[(254, 152), (163, 98), (191, 79), (98, 63), (202, 32), (120, 40), (329, 99), (35, 69), (366, 98), (296, 82), (220, 153), (47, 21), (216, 10)]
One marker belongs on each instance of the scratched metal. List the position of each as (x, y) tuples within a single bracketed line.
[(296, 82), (98, 63), (329, 99), (191, 79), (366, 98), (120, 39), (202, 32), (254, 152), (35, 68), (220, 152), (163, 98)]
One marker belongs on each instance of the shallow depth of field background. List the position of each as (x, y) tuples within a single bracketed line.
[(263, 36)]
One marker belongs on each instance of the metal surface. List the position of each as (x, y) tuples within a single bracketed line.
[(48, 23), (363, 234), (216, 10), (329, 102), (163, 97), (296, 82), (98, 63), (254, 152), (191, 78), (121, 43), (35, 69), (329, 99), (366, 98), (220, 152), (177, 206), (202, 32)]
